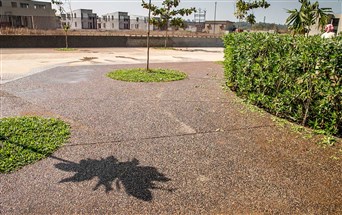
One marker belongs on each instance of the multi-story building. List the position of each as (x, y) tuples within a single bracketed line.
[(27, 14), (80, 19), (138, 22), (114, 21)]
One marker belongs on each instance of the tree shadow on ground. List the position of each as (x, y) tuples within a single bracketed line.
[(137, 181)]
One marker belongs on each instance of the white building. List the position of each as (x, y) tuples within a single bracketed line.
[(114, 21), (139, 22), (80, 19), (27, 14)]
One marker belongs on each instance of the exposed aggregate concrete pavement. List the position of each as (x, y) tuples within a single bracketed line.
[(185, 147)]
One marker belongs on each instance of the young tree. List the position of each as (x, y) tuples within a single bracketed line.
[(243, 7), (66, 26), (300, 21), (167, 15)]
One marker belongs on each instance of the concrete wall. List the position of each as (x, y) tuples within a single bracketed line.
[(7, 41)]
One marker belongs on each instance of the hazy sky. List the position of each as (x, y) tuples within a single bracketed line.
[(276, 13)]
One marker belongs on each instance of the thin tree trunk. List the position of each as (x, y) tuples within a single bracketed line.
[(166, 36), (66, 39)]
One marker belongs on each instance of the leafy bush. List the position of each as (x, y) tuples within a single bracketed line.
[(24, 140), (298, 78)]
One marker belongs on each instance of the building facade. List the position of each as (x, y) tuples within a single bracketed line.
[(217, 27), (80, 19), (114, 21), (195, 26), (27, 14), (139, 23)]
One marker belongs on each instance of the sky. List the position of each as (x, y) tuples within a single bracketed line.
[(276, 13)]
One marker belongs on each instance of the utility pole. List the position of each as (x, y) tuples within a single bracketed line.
[(215, 17), (148, 36)]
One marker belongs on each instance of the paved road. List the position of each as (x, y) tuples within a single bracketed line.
[(184, 147), (18, 63)]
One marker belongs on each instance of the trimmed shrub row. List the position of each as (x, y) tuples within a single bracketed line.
[(298, 78)]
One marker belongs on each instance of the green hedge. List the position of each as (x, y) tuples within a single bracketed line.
[(298, 78)]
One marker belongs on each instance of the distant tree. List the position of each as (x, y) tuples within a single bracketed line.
[(243, 8), (251, 19), (61, 7), (167, 15), (300, 21)]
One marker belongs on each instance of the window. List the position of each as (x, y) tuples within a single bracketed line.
[(104, 25), (24, 5), (112, 25), (68, 15), (137, 19), (75, 24), (74, 15), (0, 3), (14, 4), (112, 17), (136, 26), (39, 6)]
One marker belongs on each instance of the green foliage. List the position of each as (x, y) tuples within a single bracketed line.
[(300, 21), (168, 15), (61, 4), (242, 8), (141, 75), (251, 19), (66, 49), (262, 26), (24, 140), (298, 78)]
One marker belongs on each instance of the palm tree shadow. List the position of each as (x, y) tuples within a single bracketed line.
[(136, 180)]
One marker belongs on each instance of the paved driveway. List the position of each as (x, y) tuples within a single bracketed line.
[(185, 147), (18, 63)]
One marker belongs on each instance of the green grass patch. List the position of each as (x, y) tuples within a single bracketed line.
[(141, 75), (24, 140), (66, 49)]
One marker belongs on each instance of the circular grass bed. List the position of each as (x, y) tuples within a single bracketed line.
[(24, 140), (142, 75)]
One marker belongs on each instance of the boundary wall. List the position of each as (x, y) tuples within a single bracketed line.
[(48, 41)]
